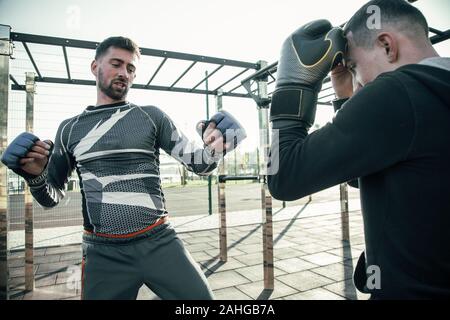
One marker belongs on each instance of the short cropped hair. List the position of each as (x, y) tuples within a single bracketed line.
[(117, 42), (401, 15)]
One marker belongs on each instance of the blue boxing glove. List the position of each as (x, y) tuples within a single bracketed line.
[(17, 150), (232, 131)]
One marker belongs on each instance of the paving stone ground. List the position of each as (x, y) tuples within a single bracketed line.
[(310, 260)]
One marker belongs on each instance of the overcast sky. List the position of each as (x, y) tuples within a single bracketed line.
[(241, 30)]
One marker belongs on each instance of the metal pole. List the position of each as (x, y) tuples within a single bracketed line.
[(29, 246), (258, 163), (344, 212), (235, 163), (221, 200), (267, 237), (266, 198), (209, 177), (5, 51)]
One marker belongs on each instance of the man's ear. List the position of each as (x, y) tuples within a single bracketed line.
[(94, 67), (389, 45)]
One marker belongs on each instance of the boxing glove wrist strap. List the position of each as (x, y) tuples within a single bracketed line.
[(38, 180), (294, 103)]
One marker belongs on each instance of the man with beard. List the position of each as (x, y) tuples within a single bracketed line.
[(114, 148)]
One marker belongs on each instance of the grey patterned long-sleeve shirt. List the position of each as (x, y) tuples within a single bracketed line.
[(115, 151)]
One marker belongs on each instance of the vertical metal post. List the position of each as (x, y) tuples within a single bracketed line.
[(221, 200), (209, 177), (258, 163), (266, 198), (344, 212), (5, 51), (267, 237), (235, 163), (30, 87)]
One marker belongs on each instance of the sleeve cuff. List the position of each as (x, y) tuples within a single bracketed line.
[(39, 180), (337, 103), (210, 156)]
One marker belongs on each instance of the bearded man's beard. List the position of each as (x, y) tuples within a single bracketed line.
[(117, 89)]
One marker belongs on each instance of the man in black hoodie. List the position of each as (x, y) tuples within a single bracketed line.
[(392, 134)]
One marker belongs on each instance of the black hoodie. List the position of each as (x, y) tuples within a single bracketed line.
[(394, 135)]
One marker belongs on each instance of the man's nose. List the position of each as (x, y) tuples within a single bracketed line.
[(123, 72)]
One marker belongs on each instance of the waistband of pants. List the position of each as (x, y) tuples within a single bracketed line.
[(158, 226)]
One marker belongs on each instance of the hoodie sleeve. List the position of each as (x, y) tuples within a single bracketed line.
[(372, 131), (49, 188)]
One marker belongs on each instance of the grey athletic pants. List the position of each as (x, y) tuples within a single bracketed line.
[(116, 269)]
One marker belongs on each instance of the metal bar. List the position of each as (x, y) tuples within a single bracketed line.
[(55, 41), (266, 198), (209, 177), (262, 72), (157, 70), (231, 79), (267, 84), (436, 31), (269, 278), (28, 198), (197, 58), (4, 216), (221, 194), (18, 87), (66, 60), (187, 90), (11, 77), (135, 86), (192, 57), (30, 38), (31, 59), (183, 74), (66, 81), (223, 223), (344, 212), (207, 76), (441, 37), (273, 78), (262, 88), (225, 178), (238, 86)]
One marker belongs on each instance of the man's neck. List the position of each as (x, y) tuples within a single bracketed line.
[(104, 99), (419, 54), (102, 103)]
